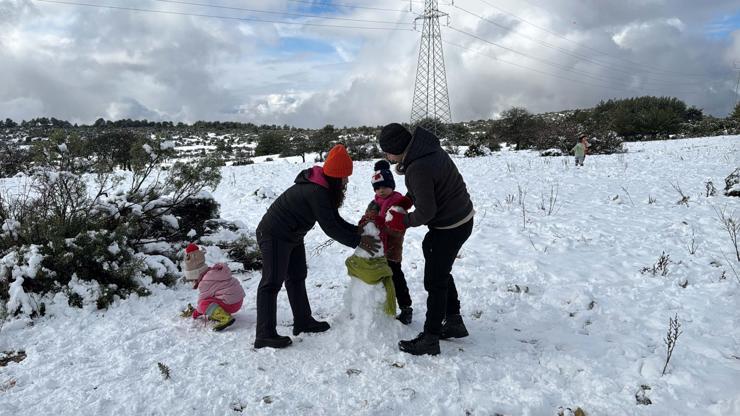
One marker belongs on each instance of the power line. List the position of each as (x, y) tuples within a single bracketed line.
[(350, 6), (245, 19), (581, 82), (549, 45), (549, 74), (543, 61), (549, 63), (216, 6), (659, 71)]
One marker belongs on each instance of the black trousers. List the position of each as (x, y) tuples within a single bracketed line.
[(282, 262), (399, 281), (440, 251)]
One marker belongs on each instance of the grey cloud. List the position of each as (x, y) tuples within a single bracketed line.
[(88, 63)]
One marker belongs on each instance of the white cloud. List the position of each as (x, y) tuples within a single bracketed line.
[(81, 63)]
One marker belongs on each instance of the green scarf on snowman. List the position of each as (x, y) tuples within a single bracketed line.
[(373, 271)]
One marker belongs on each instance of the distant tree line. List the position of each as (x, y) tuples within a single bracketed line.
[(607, 124)]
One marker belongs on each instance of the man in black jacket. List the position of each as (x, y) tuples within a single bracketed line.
[(315, 197), (443, 204)]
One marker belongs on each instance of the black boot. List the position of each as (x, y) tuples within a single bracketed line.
[(311, 326), (424, 343), (453, 327), (276, 341), (405, 316)]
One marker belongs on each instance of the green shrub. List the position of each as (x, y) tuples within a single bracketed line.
[(193, 212), (58, 230), (246, 251)]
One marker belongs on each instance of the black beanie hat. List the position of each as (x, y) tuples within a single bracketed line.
[(394, 139), (383, 177)]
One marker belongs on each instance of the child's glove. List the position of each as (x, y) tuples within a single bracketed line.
[(361, 224), (368, 217), (396, 223), (405, 203)]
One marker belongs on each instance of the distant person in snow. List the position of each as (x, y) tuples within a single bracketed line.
[(386, 198), (221, 295), (315, 196), (443, 204), (580, 149)]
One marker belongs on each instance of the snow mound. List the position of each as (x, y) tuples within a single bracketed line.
[(362, 319)]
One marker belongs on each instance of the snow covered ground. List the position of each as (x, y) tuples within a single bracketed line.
[(559, 312)]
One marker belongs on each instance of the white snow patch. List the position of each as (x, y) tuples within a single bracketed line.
[(114, 249), (558, 312)]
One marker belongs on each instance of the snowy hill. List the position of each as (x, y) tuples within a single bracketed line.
[(560, 312)]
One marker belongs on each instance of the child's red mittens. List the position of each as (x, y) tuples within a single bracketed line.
[(405, 203), (396, 223)]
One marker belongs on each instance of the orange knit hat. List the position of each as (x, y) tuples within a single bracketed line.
[(338, 164)]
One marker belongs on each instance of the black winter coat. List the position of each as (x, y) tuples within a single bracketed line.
[(434, 183), (298, 209)]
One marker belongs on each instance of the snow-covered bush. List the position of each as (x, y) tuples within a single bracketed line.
[(551, 152), (246, 251), (59, 231), (475, 150), (732, 183), (242, 162), (14, 160), (193, 212), (236, 240), (362, 147)]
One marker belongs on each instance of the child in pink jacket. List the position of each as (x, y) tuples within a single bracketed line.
[(220, 293)]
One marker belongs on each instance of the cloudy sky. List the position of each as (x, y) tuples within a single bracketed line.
[(311, 63)]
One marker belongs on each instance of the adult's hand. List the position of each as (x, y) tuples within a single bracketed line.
[(370, 244)]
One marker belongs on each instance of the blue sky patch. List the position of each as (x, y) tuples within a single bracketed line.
[(721, 27)]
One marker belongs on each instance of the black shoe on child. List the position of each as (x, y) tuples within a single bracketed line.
[(406, 315), (276, 341), (424, 343), (312, 326), (453, 327)]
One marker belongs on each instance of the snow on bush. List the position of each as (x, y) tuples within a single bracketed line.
[(732, 184), (236, 240), (551, 152), (62, 231), (265, 192)]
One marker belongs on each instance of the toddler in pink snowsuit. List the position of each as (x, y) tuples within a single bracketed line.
[(220, 293)]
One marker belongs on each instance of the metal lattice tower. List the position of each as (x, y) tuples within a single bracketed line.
[(431, 104)]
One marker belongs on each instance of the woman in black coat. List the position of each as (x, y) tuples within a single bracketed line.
[(315, 197)]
